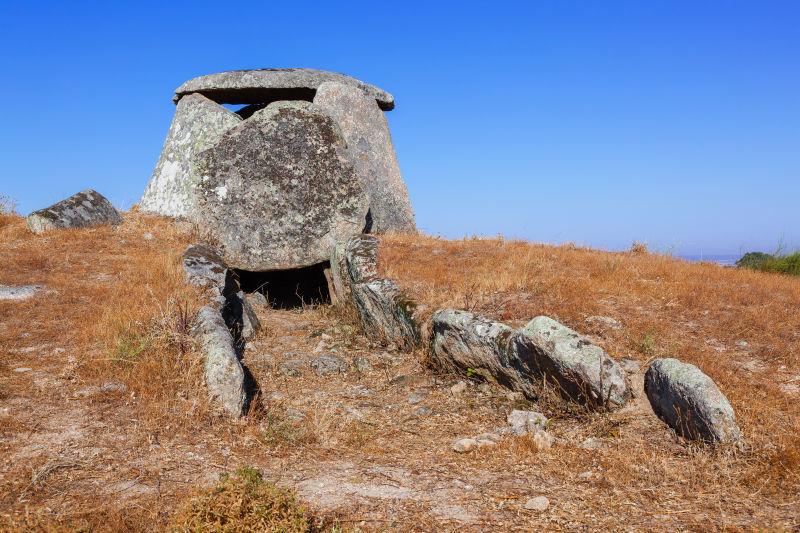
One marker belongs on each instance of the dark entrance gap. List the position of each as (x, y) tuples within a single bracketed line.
[(289, 289)]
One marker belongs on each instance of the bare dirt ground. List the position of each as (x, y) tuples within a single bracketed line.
[(104, 423)]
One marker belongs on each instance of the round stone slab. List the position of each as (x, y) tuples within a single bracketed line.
[(278, 191), (272, 84)]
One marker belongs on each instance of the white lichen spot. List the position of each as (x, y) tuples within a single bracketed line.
[(222, 192)]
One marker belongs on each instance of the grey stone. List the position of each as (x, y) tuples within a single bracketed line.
[(113, 386), (539, 504), (362, 364), (386, 313), (630, 366), (282, 179), (591, 443), (257, 299), (224, 375), (464, 445), (355, 258), (198, 125), (465, 342), (291, 368), (267, 85), (579, 368), (325, 365), (423, 411), (370, 148), (18, 292), (690, 402), (82, 210), (417, 396), (603, 322), (458, 388), (525, 422), (204, 267), (250, 324)]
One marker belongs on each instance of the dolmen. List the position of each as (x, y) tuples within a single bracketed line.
[(306, 164)]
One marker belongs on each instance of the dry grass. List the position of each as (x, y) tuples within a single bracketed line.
[(242, 502), (698, 313)]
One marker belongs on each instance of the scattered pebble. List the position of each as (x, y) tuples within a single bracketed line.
[(326, 365), (291, 368), (148, 236), (22, 369), (604, 322), (591, 443), (525, 422), (417, 396), (539, 504), (543, 440), (742, 344), (362, 364), (464, 445), (113, 386), (295, 415), (458, 388), (423, 411)]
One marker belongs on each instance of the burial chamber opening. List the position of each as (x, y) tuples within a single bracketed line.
[(289, 289)]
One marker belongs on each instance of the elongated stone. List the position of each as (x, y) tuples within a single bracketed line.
[(82, 210), (370, 148)]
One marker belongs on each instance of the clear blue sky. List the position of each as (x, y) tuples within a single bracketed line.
[(674, 123)]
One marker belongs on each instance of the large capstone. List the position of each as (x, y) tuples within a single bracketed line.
[(369, 145), (690, 402), (272, 84), (197, 125), (84, 209), (278, 191)]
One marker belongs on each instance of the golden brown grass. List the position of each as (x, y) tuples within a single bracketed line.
[(698, 313), (242, 502)]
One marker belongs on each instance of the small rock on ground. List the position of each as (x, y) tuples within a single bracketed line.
[(417, 396), (325, 365), (20, 292), (539, 503), (291, 368), (524, 422), (458, 388), (464, 445), (362, 364)]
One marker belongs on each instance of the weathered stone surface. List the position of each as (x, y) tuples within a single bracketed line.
[(267, 85), (223, 372), (197, 125), (580, 368), (386, 313), (370, 148), (525, 422), (204, 267), (690, 402), (19, 292), (520, 359), (84, 209), (353, 260), (281, 179), (466, 342), (325, 365)]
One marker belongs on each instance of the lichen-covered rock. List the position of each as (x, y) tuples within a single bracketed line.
[(578, 367), (353, 261), (197, 125), (690, 402), (370, 148), (266, 85), (224, 375), (84, 209), (204, 267), (386, 314), (466, 342), (277, 191)]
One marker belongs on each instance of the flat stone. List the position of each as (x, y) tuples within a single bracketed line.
[(464, 445), (423, 411), (282, 179), (417, 396), (291, 368), (82, 210), (458, 388), (525, 422), (370, 148), (18, 292), (268, 85), (326, 365), (539, 504), (603, 322), (224, 375), (690, 402), (197, 125)]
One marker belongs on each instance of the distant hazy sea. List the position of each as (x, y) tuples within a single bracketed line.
[(724, 260)]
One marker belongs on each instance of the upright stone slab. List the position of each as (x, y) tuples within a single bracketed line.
[(690, 402), (197, 125), (369, 145), (277, 191), (84, 209)]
